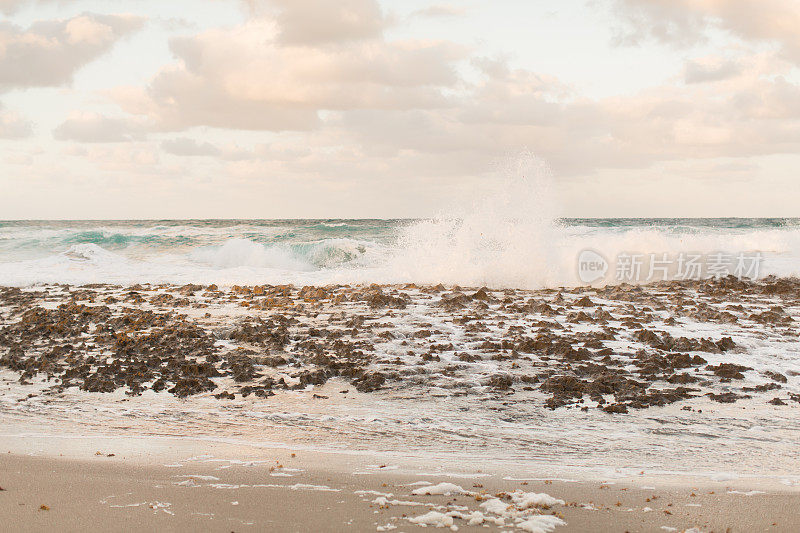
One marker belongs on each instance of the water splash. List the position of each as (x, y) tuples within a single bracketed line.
[(506, 239)]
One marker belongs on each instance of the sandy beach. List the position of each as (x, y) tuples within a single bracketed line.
[(180, 485)]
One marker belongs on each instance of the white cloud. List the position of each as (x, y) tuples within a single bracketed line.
[(13, 125), (48, 53), (9, 7), (738, 116), (127, 159), (248, 78), (710, 69), (183, 146), (315, 22), (95, 128), (687, 21), (439, 11)]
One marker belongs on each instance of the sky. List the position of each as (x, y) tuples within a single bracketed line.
[(387, 109)]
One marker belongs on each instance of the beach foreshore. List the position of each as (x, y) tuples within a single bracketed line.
[(624, 408), (54, 482), (614, 348)]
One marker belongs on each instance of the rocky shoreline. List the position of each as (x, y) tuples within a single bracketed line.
[(615, 348)]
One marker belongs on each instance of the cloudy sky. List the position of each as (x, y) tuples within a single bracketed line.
[(367, 108)]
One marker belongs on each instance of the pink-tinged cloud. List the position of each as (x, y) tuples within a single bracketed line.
[(686, 21), (13, 125), (249, 78), (96, 128), (48, 53)]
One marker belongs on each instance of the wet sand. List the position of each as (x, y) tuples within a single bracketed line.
[(171, 486)]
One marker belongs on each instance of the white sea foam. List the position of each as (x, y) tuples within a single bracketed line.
[(442, 488), (236, 253)]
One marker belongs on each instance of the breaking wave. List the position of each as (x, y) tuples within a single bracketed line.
[(509, 238)]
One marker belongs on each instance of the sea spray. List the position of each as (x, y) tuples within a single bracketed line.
[(508, 238)]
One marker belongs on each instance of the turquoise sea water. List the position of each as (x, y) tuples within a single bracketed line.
[(470, 251)]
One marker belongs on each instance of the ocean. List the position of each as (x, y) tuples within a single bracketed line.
[(474, 249)]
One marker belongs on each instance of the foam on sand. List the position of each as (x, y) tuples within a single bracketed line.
[(526, 500), (445, 489), (435, 519)]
